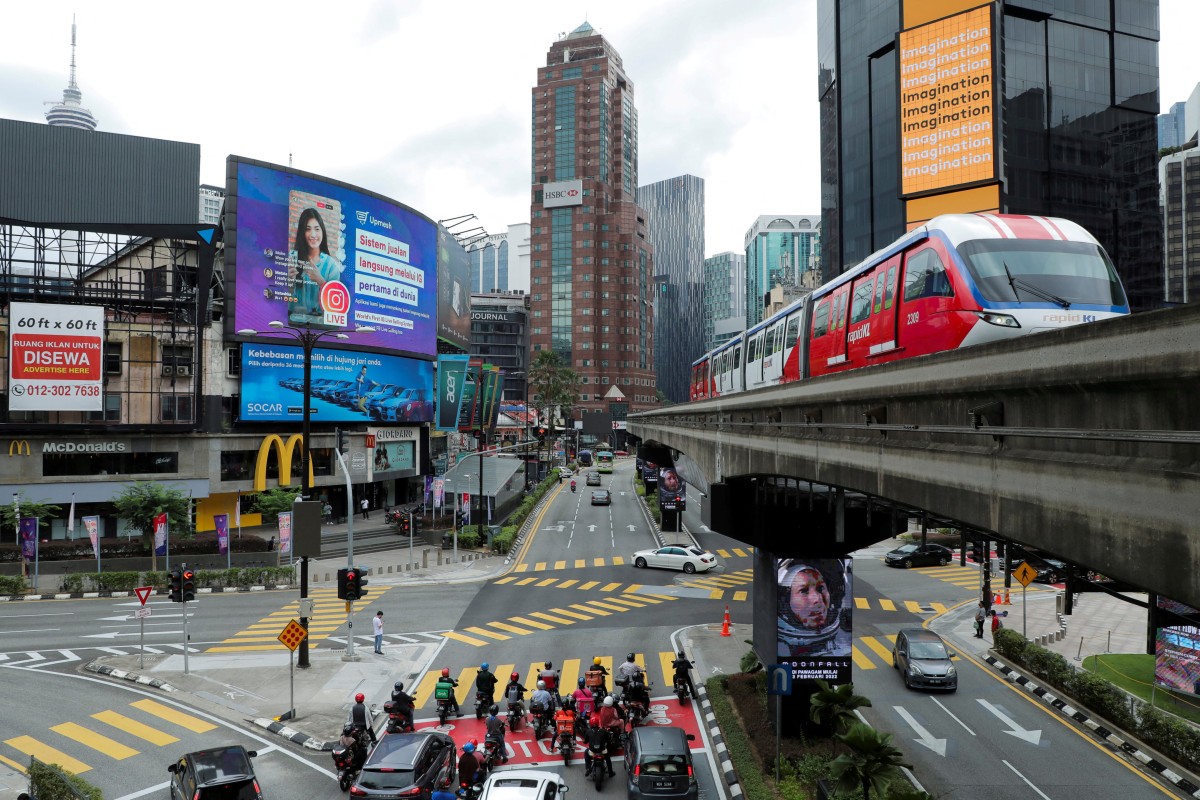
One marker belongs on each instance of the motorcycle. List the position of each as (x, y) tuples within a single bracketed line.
[(349, 758), (543, 719), (596, 765), (491, 750), (482, 703), (572, 487), (516, 712), (397, 722), (565, 737), (443, 710), (635, 712), (681, 687)]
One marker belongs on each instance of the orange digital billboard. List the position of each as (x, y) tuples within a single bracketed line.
[(947, 103)]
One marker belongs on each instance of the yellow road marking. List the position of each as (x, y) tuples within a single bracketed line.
[(606, 605), (98, 742), (510, 628), (737, 551), (548, 581), (665, 660), (938, 607), (887, 605), (716, 594), (588, 585), (723, 553), (633, 587), (135, 728), (860, 660), (533, 624), (618, 561), (552, 618), (171, 715), (526, 581), (597, 562), (539, 566), (567, 613), (580, 563), (911, 606), (425, 688), (862, 602), (878, 648), (740, 595), (568, 584), (569, 676), (44, 752), (560, 565), (490, 634), (507, 578), (610, 587), (598, 612), (18, 767), (458, 637), (522, 568)]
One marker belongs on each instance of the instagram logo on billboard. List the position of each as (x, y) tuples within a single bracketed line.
[(335, 301)]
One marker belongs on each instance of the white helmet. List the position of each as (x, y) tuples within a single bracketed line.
[(608, 701), (541, 684)]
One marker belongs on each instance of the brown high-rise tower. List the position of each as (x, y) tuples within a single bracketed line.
[(590, 264)]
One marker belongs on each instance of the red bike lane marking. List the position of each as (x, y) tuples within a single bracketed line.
[(524, 749)]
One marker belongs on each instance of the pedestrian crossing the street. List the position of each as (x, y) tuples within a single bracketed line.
[(113, 734), (329, 614)]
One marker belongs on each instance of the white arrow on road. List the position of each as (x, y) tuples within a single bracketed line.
[(591, 528), (924, 737), (633, 527), (1033, 737), (115, 634)]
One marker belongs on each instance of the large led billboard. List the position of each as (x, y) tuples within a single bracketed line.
[(1177, 650), (813, 623), (345, 386), (947, 103), (311, 252)]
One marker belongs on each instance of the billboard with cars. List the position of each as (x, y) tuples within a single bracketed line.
[(346, 386)]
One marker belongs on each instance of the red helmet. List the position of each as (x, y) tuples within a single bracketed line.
[(475, 742), (358, 698), (515, 676), (445, 673), (594, 721)]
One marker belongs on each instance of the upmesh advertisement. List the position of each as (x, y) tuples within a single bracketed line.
[(813, 628)]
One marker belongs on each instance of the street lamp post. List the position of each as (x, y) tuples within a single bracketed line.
[(308, 338)]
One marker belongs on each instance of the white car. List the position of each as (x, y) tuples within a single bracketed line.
[(522, 784), (688, 559)]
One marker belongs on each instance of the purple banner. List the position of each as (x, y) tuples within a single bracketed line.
[(29, 530), (160, 535), (439, 492), (285, 532), (428, 490), (222, 523), (92, 526)]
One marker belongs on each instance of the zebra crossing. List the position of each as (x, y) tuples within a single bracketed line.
[(114, 734), (609, 561), (41, 659), (715, 584), (329, 614)]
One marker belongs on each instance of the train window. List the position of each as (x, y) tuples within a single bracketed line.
[(926, 276), (793, 330), (821, 320), (879, 282), (862, 302), (839, 309), (777, 338), (890, 289), (737, 357)]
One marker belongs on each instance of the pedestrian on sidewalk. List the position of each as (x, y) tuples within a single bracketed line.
[(980, 617), (379, 632), (327, 511), (996, 623), (366, 508)]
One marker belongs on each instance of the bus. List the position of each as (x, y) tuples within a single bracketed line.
[(604, 461), (584, 458)]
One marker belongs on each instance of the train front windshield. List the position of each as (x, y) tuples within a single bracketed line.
[(1043, 271)]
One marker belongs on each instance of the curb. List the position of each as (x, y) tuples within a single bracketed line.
[(719, 748), (155, 683), (18, 598), (293, 736), (1103, 733)]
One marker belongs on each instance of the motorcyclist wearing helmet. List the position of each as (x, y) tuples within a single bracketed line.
[(403, 703), (360, 717), (629, 669), (468, 765), (683, 671), (584, 702), (610, 716), (572, 484), (495, 730), (541, 702), (549, 676), (596, 677), (514, 692), (481, 757), (445, 681), (811, 599), (636, 691), (597, 741), (485, 682)]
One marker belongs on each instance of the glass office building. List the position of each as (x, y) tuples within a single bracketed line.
[(675, 222), (1071, 89), (724, 298), (780, 251)]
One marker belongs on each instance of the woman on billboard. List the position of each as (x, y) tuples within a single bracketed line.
[(814, 616), (311, 267)]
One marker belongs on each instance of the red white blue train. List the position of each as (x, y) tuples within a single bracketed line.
[(958, 280)]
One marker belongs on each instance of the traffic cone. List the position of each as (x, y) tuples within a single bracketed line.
[(725, 624), (1007, 597), (996, 600)]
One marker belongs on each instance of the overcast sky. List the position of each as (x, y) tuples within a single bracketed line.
[(428, 101)]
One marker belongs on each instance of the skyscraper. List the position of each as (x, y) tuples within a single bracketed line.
[(675, 219), (724, 297), (591, 265), (500, 262), (70, 113), (1171, 127), (1042, 107), (781, 250)]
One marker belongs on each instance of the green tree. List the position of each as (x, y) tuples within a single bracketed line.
[(271, 502), (43, 511), (554, 388), (833, 707), (870, 763), (139, 504)]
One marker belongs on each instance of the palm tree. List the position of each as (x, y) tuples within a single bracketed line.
[(870, 762), (553, 387), (833, 707)]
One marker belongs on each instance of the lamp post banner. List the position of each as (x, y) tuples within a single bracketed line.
[(160, 534), (92, 526), (29, 529), (221, 521), (285, 532)]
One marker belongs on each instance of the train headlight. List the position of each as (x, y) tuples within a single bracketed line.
[(1003, 320)]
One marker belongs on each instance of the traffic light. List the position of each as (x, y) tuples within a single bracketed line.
[(342, 583), (188, 589), (541, 432), (175, 585), (355, 580), (343, 440)]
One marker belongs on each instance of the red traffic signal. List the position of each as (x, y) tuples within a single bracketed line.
[(188, 585)]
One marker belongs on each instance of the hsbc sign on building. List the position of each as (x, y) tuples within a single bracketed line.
[(563, 193)]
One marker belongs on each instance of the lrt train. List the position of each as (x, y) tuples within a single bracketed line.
[(958, 280)]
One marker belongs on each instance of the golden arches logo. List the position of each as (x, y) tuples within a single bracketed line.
[(19, 447), (283, 453)]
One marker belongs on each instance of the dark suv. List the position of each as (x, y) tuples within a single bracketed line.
[(924, 660), (658, 764), (408, 766)]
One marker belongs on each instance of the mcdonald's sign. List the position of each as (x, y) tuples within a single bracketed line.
[(18, 447), (283, 453)]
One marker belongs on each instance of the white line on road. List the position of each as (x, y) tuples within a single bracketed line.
[(924, 737), (47, 614), (956, 719), (1028, 782), (34, 630), (1032, 736)]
